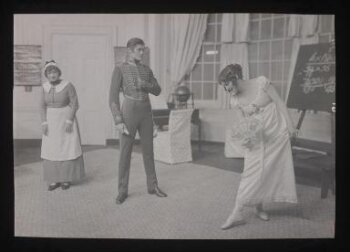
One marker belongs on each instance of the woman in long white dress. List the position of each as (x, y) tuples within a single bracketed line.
[(268, 174), (61, 148)]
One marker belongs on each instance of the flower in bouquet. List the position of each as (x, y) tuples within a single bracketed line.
[(247, 131)]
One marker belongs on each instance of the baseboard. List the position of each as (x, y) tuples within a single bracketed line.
[(313, 145), (24, 143), (207, 142), (112, 142)]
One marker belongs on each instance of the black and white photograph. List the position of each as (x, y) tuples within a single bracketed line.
[(185, 126)]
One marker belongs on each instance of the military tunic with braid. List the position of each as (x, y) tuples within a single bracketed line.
[(125, 79), (136, 114)]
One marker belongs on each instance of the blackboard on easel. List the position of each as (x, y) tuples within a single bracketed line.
[(313, 88), (313, 83)]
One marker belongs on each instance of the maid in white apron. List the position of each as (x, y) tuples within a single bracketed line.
[(61, 148)]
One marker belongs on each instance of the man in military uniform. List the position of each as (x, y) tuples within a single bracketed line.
[(136, 81)]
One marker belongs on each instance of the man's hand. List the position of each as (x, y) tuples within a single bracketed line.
[(143, 85), (121, 127)]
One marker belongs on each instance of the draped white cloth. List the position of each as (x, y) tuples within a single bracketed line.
[(187, 34), (303, 25), (174, 146)]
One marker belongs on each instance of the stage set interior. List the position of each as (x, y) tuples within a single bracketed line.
[(186, 50)]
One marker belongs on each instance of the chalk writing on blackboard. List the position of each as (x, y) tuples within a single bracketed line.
[(314, 83), (316, 73)]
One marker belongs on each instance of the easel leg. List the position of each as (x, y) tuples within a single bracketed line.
[(333, 148), (301, 118), (333, 186), (199, 137)]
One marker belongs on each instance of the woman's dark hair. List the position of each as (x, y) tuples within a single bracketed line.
[(134, 42), (52, 67), (231, 72)]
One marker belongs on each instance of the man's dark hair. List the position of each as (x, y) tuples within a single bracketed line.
[(134, 42)]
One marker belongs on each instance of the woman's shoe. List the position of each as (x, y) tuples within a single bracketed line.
[(233, 220), (155, 131), (53, 186), (65, 185), (262, 215)]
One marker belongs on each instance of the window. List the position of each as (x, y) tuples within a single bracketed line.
[(202, 80)]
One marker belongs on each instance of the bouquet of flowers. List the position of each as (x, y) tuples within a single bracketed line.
[(247, 131)]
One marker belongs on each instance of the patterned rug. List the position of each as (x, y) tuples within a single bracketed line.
[(199, 200)]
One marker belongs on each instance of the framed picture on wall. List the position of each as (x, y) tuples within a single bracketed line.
[(27, 65), (120, 55)]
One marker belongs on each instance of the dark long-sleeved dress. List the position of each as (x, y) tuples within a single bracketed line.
[(61, 151)]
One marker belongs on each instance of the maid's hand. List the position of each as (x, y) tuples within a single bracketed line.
[(69, 126), (45, 129)]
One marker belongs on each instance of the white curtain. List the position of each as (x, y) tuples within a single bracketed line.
[(234, 28), (302, 25), (187, 34), (303, 29)]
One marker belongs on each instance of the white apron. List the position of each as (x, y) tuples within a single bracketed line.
[(59, 145)]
